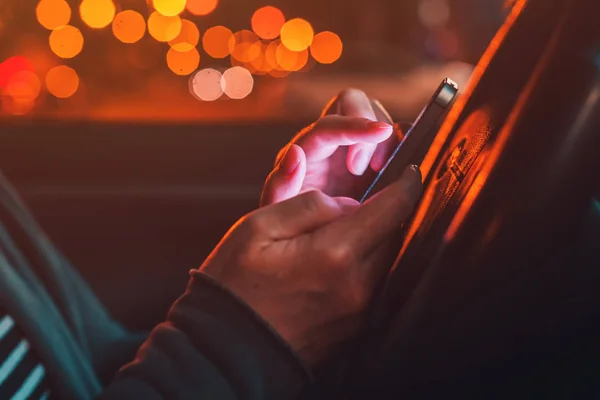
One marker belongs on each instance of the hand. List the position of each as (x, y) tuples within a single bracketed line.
[(309, 265), (334, 154)]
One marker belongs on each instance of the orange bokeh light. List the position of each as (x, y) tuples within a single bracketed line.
[(261, 65), (97, 13), (62, 81), (297, 34), (16, 106), (326, 47), (187, 38), (183, 62), (267, 22), (290, 60), (129, 26), (206, 84), (66, 41), (52, 14), (169, 8), (23, 85), (163, 28), (244, 46), (216, 41), (201, 7), (237, 82)]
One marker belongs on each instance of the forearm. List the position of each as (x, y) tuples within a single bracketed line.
[(211, 346)]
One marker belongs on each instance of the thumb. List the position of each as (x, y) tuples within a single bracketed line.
[(286, 179), (301, 214)]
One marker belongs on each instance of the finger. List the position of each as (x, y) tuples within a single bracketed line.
[(378, 218), (333, 107), (323, 138), (384, 150), (300, 214), (285, 181), (355, 103)]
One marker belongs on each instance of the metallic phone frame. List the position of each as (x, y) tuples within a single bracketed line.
[(415, 144)]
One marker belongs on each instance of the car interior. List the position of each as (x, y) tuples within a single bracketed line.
[(143, 167)]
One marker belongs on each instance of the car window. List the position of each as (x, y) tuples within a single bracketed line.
[(231, 60)]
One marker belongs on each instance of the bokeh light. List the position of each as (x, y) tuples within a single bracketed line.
[(326, 47), (12, 66), (129, 26), (261, 65), (169, 8), (297, 34), (187, 38), (97, 13), (183, 62), (52, 14), (17, 106), (164, 28), (244, 46), (62, 81), (206, 84), (237, 82), (216, 41), (267, 22), (24, 86), (66, 41), (290, 60), (201, 7), (434, 13)]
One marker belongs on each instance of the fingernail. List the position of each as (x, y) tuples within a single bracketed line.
[(411, 178), (290, 162), (387, 115), (360, 162), (378, 125)]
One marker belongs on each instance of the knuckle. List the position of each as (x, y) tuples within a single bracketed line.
[(340, 256), (313, 201), (351, 93), (251, 225)]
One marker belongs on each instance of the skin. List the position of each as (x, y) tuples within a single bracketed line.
[(309, 260)]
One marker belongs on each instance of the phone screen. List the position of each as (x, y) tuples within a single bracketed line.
[(418, 139)]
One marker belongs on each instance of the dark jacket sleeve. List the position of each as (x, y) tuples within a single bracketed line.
[(212, 346)]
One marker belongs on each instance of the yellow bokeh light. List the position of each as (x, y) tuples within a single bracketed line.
[(66, 41), (187, 38), (201, 7), (237, 82), (183, 62), (163, 28), (297, 34), (52, 14), (169, 8), (326, 47), (206, 84), (290, 60), (267, 22), (129, 26), (62, 81), (97, 13), (216, 41), (244, 46)]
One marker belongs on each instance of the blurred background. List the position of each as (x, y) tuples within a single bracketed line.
[(187, 60), (138, 131)]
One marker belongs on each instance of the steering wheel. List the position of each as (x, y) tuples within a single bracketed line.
[(487, 262)]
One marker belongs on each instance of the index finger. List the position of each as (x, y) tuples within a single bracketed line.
[(378, 218)]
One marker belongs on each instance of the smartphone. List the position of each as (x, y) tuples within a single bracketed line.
[(418, 139)]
